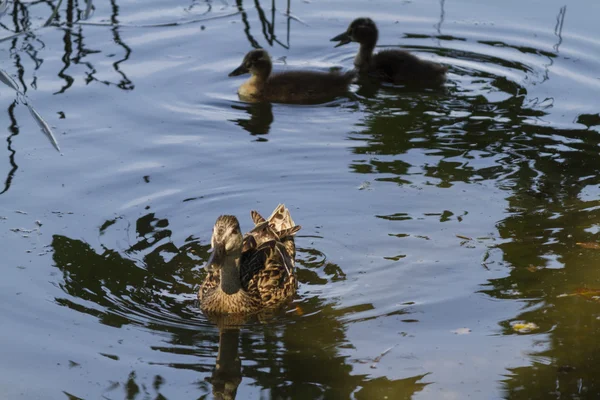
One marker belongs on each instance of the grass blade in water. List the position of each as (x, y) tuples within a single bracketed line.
[(9, 81), (44, 126), (54, 12), (88, 9)]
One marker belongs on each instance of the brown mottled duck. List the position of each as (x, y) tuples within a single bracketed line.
[(396, 66), (289, 86), (248, 274)]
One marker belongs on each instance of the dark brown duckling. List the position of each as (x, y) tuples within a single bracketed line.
[(396, 66), (289, 86)]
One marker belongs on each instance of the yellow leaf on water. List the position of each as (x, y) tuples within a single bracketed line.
[(587, 292), (524, 327), (588, 245)]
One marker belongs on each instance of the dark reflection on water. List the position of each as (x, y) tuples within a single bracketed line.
[(25, 40), (267, 23), (261, 118), (551, 178), (14, 131)]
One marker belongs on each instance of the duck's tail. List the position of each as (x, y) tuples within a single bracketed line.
[(280, 221)]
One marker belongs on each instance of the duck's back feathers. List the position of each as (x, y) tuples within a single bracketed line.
[(399, 66), (306, 86), (268, 273)]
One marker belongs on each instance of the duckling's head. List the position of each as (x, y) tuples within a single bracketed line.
[(361, 30), (226, 240), (256, 62)]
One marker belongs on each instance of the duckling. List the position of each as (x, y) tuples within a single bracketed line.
[(251, 273), (396, 66), (289, 86)]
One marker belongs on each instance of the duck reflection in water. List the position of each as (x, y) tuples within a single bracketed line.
[(227, 373), (261, 118)]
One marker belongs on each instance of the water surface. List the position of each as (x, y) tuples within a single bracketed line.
[(434, 221)]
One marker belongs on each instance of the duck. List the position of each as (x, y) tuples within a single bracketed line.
[(301, 86), (395, 66), (249, 273)]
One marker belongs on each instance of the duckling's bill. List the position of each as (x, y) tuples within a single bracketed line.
[(241, 70), (342, 38)]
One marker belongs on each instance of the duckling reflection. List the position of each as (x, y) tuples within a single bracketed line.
[(303, 87), (396, 66), (254, 272), (261, 118)]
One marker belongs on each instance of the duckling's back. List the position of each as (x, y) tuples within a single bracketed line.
[(306, 86), (399, 66)]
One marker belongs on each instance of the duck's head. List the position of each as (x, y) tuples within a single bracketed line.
[(226, 241), (361, 30), (256, 62)]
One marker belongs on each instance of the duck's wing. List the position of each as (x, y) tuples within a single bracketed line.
[(260, 234), (256, 217), (281, 219), (398, 66), (307, 86), (268, 271)]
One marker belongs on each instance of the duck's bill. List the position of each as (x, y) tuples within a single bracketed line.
[(239, 71), (343, 39), (215, 257)]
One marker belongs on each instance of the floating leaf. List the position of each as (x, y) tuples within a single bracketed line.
[(464, 237), (524, 327), (54, 12), (9, 81), (43, 126), (591, 294), (533, 268), (589, 245), (461, 331)]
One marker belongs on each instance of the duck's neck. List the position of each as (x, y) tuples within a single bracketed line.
[(364, 56), (230, 275), (365, 53), (260, 76)]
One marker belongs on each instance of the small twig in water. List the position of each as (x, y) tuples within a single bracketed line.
[(379, 357)]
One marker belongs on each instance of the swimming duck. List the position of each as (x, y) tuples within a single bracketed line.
[(396, 66), (250, 273), (289, 86)]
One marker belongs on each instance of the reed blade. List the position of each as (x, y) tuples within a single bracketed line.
[(88, 9), (3, 7), (54, 12), (43, 126), (9, 81)]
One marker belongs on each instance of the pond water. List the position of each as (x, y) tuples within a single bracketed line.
[(448, 247)]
